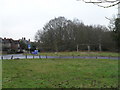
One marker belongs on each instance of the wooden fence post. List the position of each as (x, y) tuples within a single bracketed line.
[(12, 57), (26, 56), (39, 56), (96, 57), (73, 56), (2, 57)]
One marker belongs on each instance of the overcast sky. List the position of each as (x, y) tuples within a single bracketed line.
[(23, 18)]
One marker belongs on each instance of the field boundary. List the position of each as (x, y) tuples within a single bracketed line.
[(20, 56)]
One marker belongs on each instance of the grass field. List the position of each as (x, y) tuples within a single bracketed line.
[(81, 53), (60, 73)]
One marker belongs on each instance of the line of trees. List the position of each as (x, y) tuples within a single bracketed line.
[(61, 34)]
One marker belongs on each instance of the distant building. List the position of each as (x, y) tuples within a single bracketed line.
[(24, 44), (25, 41), (9, 45)]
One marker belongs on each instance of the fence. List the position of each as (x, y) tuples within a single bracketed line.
[(64, 57)]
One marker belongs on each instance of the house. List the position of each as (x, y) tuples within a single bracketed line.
[(25, 41), (24, 44), (9, 45)]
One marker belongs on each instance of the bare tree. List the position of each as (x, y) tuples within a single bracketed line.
[(103, 3)]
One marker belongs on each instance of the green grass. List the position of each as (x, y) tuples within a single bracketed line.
[(112, 54), (60, 73)]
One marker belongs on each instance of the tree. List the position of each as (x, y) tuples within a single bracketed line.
[(23, 46), (114, 27), (117, 32), (60, 34), (111, 25), (117, 25), (53, 34), (110, 3)]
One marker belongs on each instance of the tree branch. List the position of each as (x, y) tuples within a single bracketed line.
[(109, 5), (116, 2)]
